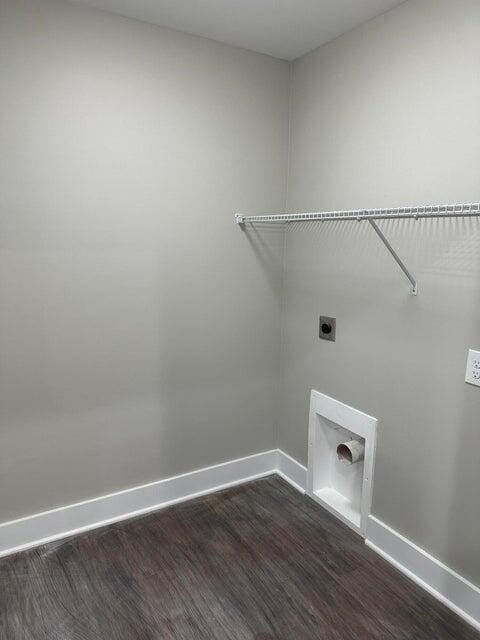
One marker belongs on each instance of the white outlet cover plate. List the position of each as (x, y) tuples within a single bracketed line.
[(473, 368)]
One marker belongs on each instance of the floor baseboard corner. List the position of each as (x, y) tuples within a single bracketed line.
[(292, 471), (54, 524)]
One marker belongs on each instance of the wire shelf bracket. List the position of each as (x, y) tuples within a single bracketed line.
[(395, 256), (371, 215)]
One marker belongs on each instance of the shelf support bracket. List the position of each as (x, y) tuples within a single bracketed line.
[(395, 256)]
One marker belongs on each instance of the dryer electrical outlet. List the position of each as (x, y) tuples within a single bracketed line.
[(328, 328), (472, 375)]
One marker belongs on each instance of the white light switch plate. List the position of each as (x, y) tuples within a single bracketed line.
[(473, 368)]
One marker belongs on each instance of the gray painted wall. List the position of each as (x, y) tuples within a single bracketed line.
[(388, 115), (139, 329)]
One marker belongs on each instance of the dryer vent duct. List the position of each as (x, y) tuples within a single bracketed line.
[(351, 452)]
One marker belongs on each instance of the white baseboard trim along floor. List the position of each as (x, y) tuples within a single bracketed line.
[(443, 583), (54, 524)]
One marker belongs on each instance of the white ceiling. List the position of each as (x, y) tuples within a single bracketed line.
[(281, 28)]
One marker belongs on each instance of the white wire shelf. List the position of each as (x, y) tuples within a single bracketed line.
[(371, 215), (399, 213)]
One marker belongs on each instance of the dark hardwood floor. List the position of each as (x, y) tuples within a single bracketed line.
[(258, 561)]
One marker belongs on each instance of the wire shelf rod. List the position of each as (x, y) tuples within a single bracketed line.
[(398, 213), (370, 215)]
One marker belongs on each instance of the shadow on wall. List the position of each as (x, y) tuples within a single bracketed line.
[(265, 240)]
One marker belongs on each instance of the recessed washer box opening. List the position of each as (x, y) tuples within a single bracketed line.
[(341, 457)]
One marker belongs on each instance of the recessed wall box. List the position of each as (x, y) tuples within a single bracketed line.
[(327, 328)]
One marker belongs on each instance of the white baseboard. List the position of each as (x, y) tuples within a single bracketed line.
[(292, 471), (447, 586), (443, 583), (54, 524)]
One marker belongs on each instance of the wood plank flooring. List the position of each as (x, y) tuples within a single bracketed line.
[(256, 562)]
